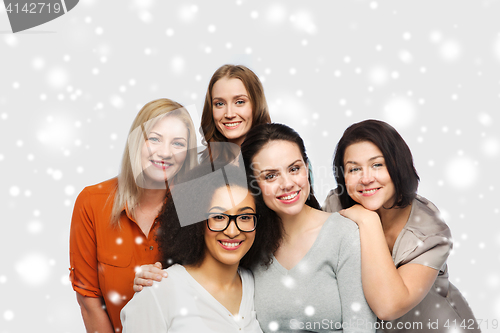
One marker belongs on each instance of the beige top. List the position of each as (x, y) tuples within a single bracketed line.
[(426, 240)]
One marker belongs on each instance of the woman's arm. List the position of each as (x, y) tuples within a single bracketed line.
[(390, 292), (94, 316)]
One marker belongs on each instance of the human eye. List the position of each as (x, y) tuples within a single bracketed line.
[(354, 169), (295, 169), (154, 139), (271, 176), (179, 144), (217, 217), (218, 104), (378, 165), (245, 217), (240, 102)]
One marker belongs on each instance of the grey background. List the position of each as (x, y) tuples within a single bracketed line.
[(70, 89)]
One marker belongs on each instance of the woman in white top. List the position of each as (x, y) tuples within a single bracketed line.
[(208, 290)]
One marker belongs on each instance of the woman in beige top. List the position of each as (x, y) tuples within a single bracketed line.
[(404, 243)]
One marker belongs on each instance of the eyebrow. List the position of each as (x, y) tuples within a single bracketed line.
[(372, 158), (265, 170), (224, 209), (177, 138), (235, 97)]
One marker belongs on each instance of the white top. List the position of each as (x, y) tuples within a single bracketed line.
[(180, 304)]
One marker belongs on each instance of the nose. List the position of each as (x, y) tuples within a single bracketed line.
[(232, 230), (287, 182), (367, 177), (164, 151), (230, 114)]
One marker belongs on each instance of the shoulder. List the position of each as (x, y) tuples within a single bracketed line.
[(338, 224), (105, 187), (97, 194), (340, 234), (332, 202), (425, 220), (245, 274)]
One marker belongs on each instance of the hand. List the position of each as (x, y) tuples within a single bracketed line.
[(147, 274), (360, 215)]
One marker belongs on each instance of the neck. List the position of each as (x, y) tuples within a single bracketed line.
[(295, 224), (238, 141), (215, 273), (394, 216), (152, 197)]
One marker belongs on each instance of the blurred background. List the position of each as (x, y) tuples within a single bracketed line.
[(69, 90)]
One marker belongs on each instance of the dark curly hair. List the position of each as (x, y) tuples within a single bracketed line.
[(185, 244), (396, 153)]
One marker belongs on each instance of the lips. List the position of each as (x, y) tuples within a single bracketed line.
[(161, 164), (230, 244), (369, 192), (232, 125), (289, 198)]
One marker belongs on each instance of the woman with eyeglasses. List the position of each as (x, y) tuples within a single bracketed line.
[(208, 288)]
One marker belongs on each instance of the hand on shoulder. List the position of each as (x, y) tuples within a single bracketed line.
[(360, 215)]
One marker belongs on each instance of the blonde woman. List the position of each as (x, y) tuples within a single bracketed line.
[(113, 226)]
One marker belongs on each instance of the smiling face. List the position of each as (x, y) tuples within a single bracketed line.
[(232, 109), (165, 149), (367, 178), (229, 246), (282, 176)]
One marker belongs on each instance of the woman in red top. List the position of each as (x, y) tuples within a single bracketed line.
[(113, 226)]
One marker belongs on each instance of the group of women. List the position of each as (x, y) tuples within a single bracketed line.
[(259, 254)]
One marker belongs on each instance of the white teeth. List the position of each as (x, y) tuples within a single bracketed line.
[(232, 124), (160, 163), (230, 244), (291, 196), (369, 191)]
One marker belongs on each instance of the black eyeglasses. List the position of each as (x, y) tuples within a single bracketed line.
[(244, 222)]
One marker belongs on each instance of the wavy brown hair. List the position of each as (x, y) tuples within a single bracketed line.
[(260, 110)]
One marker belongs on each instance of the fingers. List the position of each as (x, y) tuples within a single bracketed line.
[(137, 288)]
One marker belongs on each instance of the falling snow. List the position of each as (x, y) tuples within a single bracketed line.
[(65, 101)]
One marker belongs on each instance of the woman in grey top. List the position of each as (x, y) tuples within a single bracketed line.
[(404, 242), (314, 281)]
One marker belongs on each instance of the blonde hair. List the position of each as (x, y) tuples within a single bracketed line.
[(128, 193)]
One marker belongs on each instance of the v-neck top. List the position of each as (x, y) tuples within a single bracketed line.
[(322, 292), (179, 304)]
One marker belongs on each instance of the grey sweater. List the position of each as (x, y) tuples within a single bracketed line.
[(323, 292)]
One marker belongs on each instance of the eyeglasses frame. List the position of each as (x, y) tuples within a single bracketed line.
[(233, 218)]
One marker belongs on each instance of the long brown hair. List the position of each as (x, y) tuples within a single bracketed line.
[(260, 110)]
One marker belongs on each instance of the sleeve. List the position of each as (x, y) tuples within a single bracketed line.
[(143, 313), (332, 203), (432, 251), (83, 248), (356, 313)]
